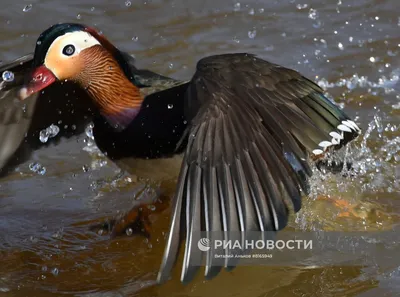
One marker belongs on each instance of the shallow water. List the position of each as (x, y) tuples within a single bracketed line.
[(350, 47)]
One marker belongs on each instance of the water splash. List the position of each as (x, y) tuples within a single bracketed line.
[(374, 158), (374, 164), (89, 140), (389, 84), (99, 159)]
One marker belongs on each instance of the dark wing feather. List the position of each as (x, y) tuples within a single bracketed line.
[(21, 122), (254, 125)]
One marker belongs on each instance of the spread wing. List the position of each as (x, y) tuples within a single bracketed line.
[(21, 122), (14, 118), (253, 126)]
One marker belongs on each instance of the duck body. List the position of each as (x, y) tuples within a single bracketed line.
[(156, 135), (240, 135)]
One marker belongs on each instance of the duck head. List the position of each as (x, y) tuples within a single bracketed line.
[(77, 53)]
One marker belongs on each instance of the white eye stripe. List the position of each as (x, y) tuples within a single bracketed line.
[(79, 39)]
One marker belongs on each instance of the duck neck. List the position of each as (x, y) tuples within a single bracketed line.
[(118, 99)]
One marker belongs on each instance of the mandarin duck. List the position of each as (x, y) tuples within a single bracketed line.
[(240, 136)]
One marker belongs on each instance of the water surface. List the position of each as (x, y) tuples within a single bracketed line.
[(350, 47)]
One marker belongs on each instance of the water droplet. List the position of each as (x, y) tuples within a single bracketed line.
[(128, 3), (38, 42), (252, 33), (261, 10), (269, 48), (49, 132), (58, 234), (89, 131), (372, 59), (37, 168), (301, 6), (55, 271), (78, 16), (170, 106), (317, 24), (4, 289), (129, 231), (313, 14), (236, 7), (170, 65), (27, 8), (378, 122), (135, 38), (340, 46), (7, 76), (85, 168), (251, 11), (92, 9)]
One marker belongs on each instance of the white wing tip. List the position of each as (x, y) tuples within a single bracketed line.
[(347, 126), (317, 152), (351, 125)]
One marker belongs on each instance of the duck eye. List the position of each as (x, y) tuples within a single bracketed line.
[(68, 50)]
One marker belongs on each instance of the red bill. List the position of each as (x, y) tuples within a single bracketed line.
[(40, 78)]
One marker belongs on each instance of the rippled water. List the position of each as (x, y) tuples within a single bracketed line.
[(350, 47)]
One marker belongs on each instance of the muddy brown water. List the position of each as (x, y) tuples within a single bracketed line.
[(350, 47)]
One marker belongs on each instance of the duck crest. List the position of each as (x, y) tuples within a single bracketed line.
[(48, 36)]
